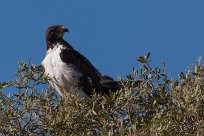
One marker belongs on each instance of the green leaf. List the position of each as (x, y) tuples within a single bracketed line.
[(142, 59), (146, 68), (148, 55)]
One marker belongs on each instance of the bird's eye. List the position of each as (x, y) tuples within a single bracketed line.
[(51, 32)]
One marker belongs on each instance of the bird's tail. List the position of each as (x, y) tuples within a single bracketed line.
[(109, 84)]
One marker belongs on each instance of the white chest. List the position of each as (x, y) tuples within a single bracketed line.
[(64, 77)]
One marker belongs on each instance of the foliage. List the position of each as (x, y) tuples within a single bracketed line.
[(159, 105)]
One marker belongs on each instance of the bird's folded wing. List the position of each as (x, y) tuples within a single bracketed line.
[(71, 56), (90, 79)]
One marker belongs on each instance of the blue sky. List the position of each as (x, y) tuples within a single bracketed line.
[(110, 33)]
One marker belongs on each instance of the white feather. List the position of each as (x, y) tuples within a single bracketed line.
[(64, 77)]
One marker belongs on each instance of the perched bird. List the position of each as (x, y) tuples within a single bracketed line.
[(70, 70)]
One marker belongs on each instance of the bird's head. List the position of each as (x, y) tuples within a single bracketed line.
[(55, 33)]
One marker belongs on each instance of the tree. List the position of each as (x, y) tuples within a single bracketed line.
[(160, 105)]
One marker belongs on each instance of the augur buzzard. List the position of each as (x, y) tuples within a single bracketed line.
[(70, 70)]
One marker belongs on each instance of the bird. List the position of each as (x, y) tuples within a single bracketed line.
[(69, 70)]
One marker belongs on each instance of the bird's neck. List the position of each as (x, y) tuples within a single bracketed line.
[(50, 44)]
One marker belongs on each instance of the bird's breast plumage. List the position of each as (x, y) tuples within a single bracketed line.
[(64, 77)]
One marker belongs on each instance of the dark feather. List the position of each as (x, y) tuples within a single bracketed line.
[(91, 76)]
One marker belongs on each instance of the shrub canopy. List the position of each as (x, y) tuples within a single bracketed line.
[(159, 105)]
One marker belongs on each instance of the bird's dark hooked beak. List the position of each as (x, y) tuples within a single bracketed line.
[(65, 29)]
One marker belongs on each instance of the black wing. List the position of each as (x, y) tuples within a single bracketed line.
[(63, 42), (91, 76)]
